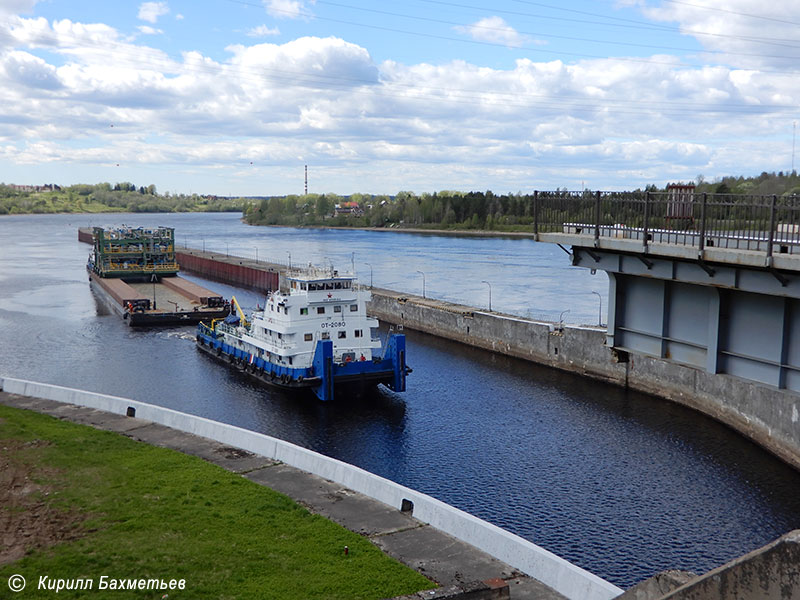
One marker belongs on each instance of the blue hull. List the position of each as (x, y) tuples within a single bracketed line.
[(325, 376)]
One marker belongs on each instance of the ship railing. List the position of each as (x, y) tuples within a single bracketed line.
[(318, 272), (149, 268), (231, 329)]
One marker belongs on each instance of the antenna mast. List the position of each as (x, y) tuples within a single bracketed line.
[(305, 189)]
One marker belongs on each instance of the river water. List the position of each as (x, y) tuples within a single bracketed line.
[(622, 484)]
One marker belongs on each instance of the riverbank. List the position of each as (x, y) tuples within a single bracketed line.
[(81, 504)]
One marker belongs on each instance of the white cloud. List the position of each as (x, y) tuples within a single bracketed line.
[(494, 30), (263, 31), (16, 7), (287, 9), (147, 30), (745, 33), (151, 11), (388, 126)]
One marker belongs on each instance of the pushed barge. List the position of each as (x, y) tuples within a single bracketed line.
[(313, 333), (134, 272)]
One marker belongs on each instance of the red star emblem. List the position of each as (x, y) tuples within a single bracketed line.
[(330, 295)]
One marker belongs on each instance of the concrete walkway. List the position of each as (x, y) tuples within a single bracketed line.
[(446, 560)]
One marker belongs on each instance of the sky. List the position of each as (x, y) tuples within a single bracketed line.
[(236, 97)]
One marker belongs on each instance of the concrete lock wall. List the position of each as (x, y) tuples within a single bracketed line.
[(764, 414), (564, 577)]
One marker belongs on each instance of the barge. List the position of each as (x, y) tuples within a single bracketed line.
[(134, 272), (312, 334)]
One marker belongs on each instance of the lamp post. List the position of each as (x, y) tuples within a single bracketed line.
[(256, 249), (423, 282), (227, 249), (289, 254), (600, 310), (370, 274), (490, 294), (561, 316)]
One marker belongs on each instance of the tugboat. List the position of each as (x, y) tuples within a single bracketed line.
[(313, 333)]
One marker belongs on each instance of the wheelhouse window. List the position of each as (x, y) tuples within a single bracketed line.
[(304, 311), (342, 335), (357, 333), (337, 309), (353, 307), (320, 310)]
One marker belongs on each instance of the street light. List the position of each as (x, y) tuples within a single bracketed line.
[(490, 294), (423, 282), (370, 274), (561, 316), (600, 310), (289, 254)]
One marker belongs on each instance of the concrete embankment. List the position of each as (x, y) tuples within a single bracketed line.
[(489, 552), (766, 415)]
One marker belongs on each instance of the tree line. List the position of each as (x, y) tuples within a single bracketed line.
[(475, 210), (105, 197)]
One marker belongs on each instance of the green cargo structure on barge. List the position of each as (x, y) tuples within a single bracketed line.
[(135, 273)]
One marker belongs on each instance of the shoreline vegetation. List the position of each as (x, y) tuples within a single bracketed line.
[(473, 212), (80, 504)]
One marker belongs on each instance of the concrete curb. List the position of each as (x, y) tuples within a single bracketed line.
[(553, 571)]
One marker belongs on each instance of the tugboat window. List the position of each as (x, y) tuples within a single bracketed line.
[(342, 335), (308, 337), (326, 335), (358, 333), (353, 307), (320, 310), (337, 308), (303, 311)]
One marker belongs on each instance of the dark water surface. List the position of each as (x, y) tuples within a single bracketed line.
[(620, 483)]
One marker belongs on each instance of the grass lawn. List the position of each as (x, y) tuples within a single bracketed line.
[(97, 503)]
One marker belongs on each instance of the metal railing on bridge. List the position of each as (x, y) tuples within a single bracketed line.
[(742, 222)]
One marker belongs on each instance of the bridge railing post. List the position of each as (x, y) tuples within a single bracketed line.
[(645, 224), (771, 237), (702, 244), (597, 219)]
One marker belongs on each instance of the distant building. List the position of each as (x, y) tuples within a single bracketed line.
[(48, 187), (348, 208)]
